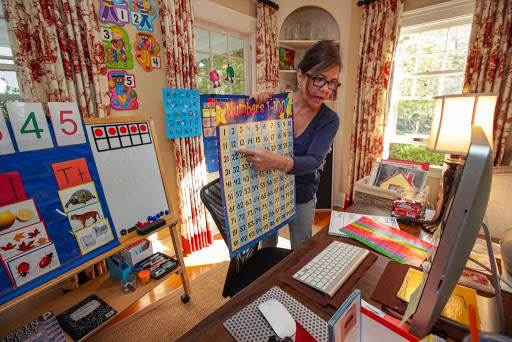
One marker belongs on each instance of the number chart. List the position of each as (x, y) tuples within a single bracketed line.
[(256, 204)]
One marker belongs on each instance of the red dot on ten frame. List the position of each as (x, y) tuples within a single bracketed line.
[(112, 130), (123, 129), (143, 128), (98, 132), (133, 129)]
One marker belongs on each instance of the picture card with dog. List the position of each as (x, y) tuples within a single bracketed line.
[(21, 240), (86, 216), (94, 236), (33, 264), (78, 196)]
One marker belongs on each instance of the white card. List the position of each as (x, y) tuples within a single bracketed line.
[(6, 146), (33, 264), (29, 126), (67, 124)]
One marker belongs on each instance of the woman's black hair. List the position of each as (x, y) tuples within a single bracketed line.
[(321, 56)]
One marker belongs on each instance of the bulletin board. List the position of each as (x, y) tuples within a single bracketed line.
[(51, 189), (125, 154), (256, 204)]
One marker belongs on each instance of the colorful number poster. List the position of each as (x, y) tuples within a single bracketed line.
[(114, 11), (396, 244), (256, 204), (146, 51), (182, 113), (142, 13), (118, 50)]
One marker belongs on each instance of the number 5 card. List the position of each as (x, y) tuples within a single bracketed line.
[(29, 125), (67, 123)]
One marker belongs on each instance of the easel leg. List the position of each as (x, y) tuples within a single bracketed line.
[(176, 241)]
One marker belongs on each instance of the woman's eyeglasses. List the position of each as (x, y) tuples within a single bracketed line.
[(320, 82)]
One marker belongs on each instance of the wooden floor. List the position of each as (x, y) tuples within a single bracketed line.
[(322, 219)]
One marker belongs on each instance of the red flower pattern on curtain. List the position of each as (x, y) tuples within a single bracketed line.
[(57, 47), (176, 21), (379, 32), (267, 48), (489, 65)]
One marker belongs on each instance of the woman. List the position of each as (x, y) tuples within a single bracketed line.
[(315, 126)]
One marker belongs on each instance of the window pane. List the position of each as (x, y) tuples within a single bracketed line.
[(406, 87), (4, 38), (433, 41), (238, 66), (458, 37), (204, 85), (5, 51), (414, 117), (452, 84), (238, 87), (8, 82), (202, 40), (406, 64), (417, 153), (455, 60), (427, 86), (203, 63), (223, 89), (220, 64), (219, 43), (237, 47), (430, 62), (408, 44)]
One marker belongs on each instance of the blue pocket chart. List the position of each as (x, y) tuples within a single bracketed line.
[(182, 113), (30, 192)]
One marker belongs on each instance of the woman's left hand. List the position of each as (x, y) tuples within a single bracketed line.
[(260, 159)]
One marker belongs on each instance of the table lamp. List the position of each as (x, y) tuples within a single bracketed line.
[(451, 133)]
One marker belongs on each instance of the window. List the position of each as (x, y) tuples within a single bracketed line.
[(9, 89), (215, 51), (430, 61)]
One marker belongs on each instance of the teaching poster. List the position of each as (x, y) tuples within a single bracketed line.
[(256, 204)]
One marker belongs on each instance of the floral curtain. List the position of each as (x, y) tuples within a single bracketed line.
[(267, 48), (57, 47), (379, 33), (177, 22), (489, 63)]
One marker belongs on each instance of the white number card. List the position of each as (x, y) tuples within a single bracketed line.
[(6, 146), (29, 126), (67, 123)]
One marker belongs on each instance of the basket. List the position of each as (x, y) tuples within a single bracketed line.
[(374, 195)]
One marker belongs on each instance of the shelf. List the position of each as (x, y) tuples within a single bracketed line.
[(291, 72), (300, 44), (106, 287)]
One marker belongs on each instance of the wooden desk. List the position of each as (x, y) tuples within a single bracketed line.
[(211, 328)]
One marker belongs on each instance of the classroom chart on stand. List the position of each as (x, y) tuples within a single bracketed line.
[(53, 211), (256, 204)]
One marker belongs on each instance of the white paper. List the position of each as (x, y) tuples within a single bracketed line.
[(340, 219), (29, 126), (67, 124), (6, 146)]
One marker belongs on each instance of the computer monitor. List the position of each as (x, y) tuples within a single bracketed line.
[(459, 231)]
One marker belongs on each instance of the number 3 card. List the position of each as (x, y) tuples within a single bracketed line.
[(29, 125)]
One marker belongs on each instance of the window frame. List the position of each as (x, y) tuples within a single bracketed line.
[(445, 15), (8, 67), (230, 33)]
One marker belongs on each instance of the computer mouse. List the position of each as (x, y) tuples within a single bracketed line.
[(278, 317)]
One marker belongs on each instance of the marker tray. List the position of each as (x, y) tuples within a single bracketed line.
[(158, 264)]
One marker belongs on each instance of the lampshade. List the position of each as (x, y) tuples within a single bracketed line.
[(453, 117)]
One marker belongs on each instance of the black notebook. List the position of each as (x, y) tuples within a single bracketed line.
[(85, 317)]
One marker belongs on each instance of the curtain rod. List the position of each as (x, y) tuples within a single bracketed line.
[(365, 2), (270, 3)]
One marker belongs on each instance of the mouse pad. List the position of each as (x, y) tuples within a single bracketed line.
[(249, 325)]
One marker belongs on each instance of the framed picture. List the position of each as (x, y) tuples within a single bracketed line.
[(286, 59)]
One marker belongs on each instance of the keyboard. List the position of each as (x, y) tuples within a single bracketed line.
[(329, 269)]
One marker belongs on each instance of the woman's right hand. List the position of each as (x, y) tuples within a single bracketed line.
[(262, 96)]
